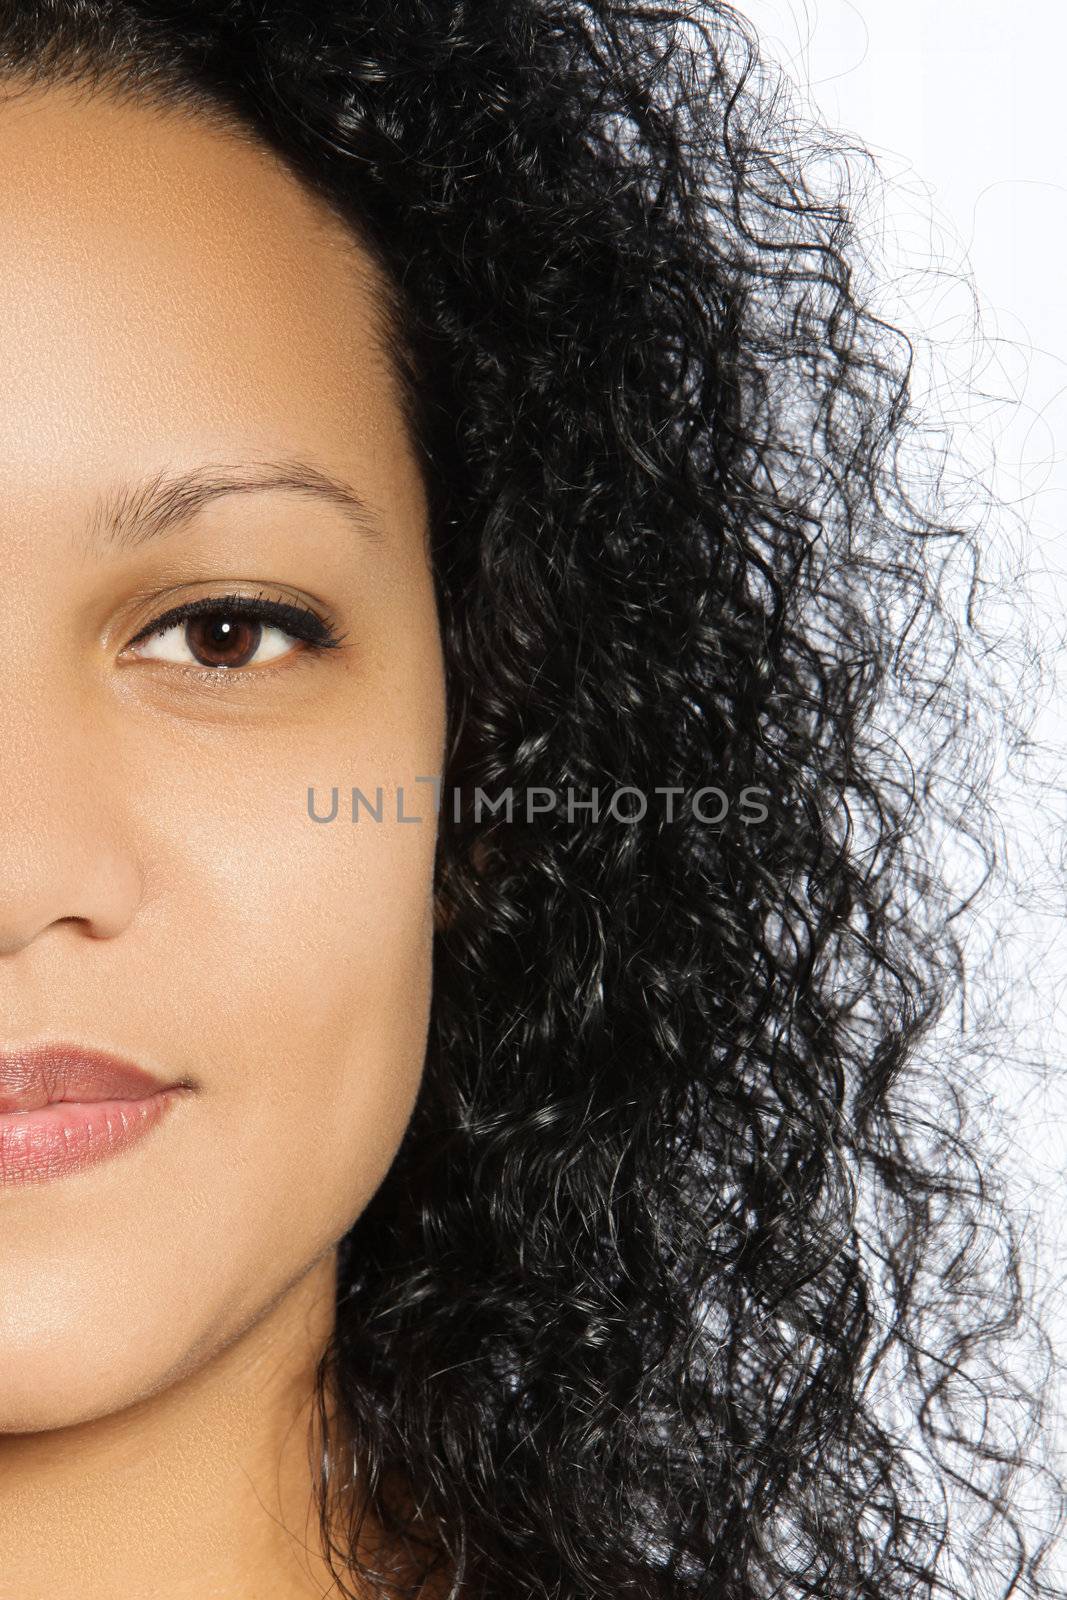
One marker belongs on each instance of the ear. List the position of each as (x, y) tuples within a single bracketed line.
[(444, 908), (443, 913)]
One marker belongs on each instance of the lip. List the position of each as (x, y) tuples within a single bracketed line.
[(64, 1107)]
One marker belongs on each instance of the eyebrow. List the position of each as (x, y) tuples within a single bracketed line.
[(131, 515)]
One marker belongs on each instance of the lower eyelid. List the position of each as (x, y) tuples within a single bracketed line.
[(222, 678)]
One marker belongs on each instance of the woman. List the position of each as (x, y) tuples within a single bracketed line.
[(470, 960)]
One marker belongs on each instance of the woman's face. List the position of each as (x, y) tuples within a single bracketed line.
[(173, 302)]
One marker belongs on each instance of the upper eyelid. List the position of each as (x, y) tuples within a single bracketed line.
[(275, 609)]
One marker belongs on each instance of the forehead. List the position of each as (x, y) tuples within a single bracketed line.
[(168, 284)]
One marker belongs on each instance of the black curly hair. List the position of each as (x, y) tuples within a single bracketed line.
[(691, 1277)]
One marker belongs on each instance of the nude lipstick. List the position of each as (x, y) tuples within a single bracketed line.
[(64, 1107)]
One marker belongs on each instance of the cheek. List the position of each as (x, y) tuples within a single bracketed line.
[(335, 1008), (326, 1036), (314, 976)]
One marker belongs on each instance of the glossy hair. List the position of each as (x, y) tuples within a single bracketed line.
[(690, 1278)]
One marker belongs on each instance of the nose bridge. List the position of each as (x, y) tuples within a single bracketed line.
[(64, 853)]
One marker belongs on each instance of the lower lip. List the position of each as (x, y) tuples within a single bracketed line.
[(70, 1135)]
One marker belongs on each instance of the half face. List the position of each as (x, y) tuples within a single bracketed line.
[(194, 406)]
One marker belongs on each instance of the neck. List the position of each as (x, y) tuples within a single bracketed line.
[(202, 1489)]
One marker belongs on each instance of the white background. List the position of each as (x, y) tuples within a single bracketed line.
[(964, 104)]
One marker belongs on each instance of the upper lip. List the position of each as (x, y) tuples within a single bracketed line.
[(32, 1076)]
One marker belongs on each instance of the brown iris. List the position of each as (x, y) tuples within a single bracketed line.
[(220, 639)]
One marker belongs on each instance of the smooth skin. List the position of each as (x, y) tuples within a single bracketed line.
[(172, 299)]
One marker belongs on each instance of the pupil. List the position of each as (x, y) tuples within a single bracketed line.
[(219, 640)]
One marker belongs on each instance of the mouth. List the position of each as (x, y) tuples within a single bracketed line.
[(64, 1107)]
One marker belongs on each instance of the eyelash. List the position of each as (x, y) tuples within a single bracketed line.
[(299, 621)]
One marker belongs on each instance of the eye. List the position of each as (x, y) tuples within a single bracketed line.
[(231, 632)]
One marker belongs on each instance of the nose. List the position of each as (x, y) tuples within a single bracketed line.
[(62, 854), (50, 882)]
